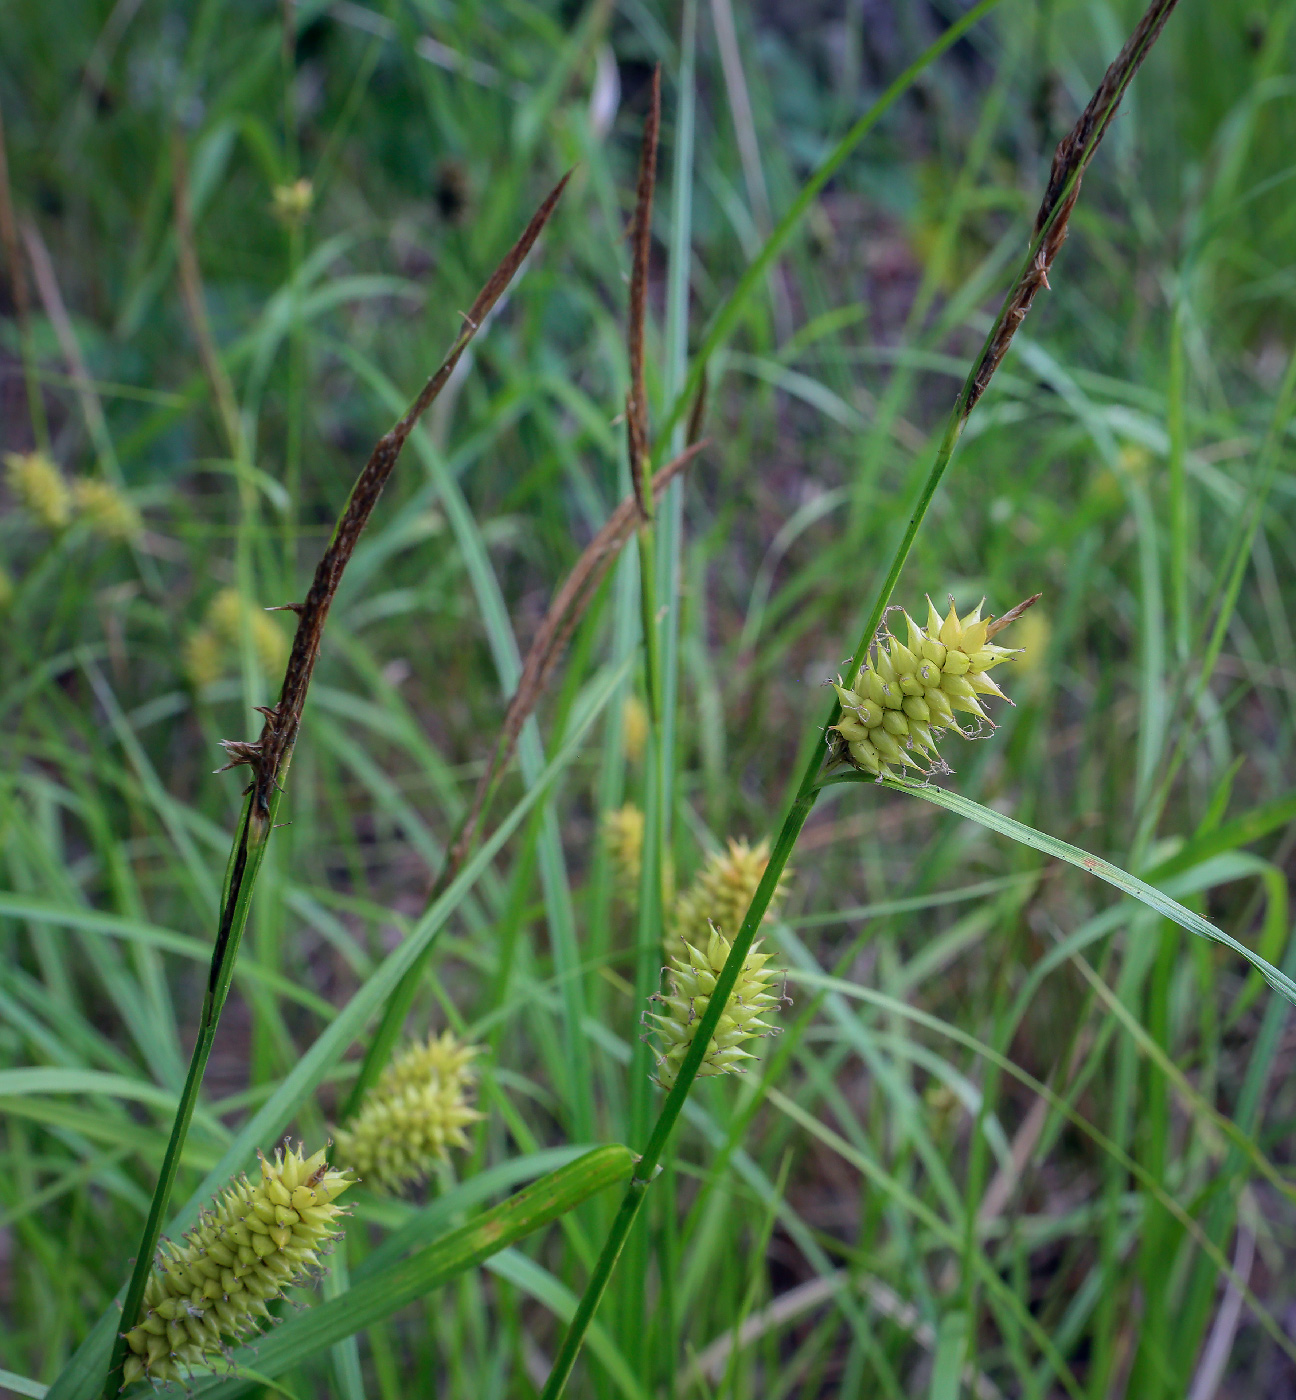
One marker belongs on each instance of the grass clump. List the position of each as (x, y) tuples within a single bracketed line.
[(1021, 1137)]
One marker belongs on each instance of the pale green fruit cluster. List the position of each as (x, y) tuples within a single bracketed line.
[(258, 1238), (46, 494), (413, 1115), (905, 695), (719, 894), (692, 979)]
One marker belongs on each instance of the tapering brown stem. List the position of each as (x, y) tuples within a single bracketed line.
[(641, 237)]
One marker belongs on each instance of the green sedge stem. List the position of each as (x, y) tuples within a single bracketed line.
[(245, 860), (983, 367)]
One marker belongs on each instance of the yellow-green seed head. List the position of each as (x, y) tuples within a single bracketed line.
[(906, 693), (258, 1238), (40, 487), (720, 893), (213, 648), (204, 657), (692, 978), (413, 1115), (106, 510), (634, 727), (291, 203), (623, 834)]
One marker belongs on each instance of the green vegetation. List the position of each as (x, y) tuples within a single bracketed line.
[(1020, 1134)]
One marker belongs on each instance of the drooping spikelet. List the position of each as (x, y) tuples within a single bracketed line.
[(258, 1238), (40, 487), (719, 894), (904, 695), (692, 977), (106, 510), (413, 1115)]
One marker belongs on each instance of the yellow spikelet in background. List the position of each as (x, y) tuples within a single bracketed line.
[(413, 1115), (40, 488), (258, 1238), (634, 727), (212, 648), (692, 978), (719, 894), (106, 510), (623, 834)]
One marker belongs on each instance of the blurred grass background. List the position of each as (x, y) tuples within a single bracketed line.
[(831, 1222)]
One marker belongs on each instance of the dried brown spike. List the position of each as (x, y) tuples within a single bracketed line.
[(999, 623), (280, 734), (569, 603), (1074, 152), (641, 235)]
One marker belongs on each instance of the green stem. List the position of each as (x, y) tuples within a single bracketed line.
[(240, 880), (983, 367)]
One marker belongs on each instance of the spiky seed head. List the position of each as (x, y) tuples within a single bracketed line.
[(691, 978), (413, 1115), (258, 1238), (720, 893), (105, 509), (40, 487), (906, 693)]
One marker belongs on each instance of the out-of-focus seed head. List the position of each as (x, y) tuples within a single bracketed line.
[(623, 834), (412, 1117), (634, 727), (39, 487), (906, 693), (291, 203), (720, 893), (213, 648), (691, 978), (258, 1238), (107, 511)]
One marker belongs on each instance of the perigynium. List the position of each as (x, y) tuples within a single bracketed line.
[(904, 696), (413, 1115), (692, 978), (258, 1238)]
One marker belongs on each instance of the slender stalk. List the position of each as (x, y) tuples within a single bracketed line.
[(1073, 155), (269, 757)]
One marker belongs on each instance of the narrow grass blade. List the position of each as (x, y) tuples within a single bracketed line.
[(1095, 865)]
